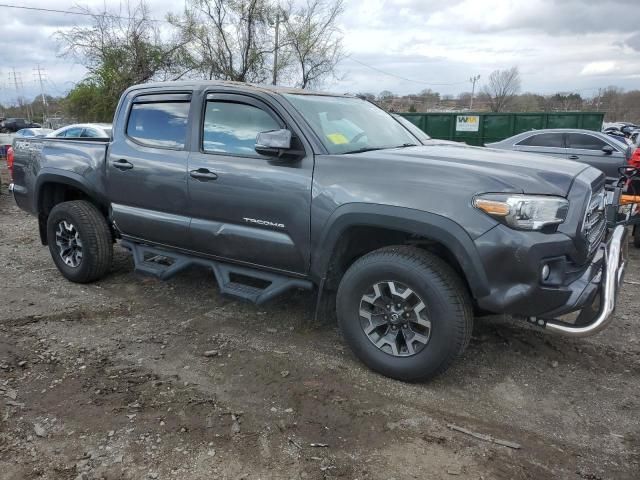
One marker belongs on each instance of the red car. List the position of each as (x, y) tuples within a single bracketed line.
[(633, 186)]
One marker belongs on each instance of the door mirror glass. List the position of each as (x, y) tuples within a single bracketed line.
[(608, 149), (275, 143), (280, 139)]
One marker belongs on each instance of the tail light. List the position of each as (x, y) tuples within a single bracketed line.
[(10, 161)]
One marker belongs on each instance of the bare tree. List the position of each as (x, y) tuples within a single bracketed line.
[(502, 87), (385, 95), (313, 40), (127, 41), (242, 40), (227, 39)]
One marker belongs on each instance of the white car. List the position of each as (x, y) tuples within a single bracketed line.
[(84, 130), (33, 132)]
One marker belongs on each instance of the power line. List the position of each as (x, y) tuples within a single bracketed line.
[(71, 12), (401, 77)]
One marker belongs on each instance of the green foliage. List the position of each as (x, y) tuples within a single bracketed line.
[(90, 102)]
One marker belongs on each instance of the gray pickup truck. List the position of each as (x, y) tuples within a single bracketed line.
[(277, 188)]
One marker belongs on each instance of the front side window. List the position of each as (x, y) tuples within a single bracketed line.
[(347, 124), (159, 124), (231, 127), (555, 140), (584, 141)]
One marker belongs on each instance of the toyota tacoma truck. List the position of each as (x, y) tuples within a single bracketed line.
[(276, 188)]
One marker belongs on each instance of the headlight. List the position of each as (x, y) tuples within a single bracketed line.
[(524, 212)]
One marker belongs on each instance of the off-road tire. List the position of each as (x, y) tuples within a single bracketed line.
[(93, 230), (447, 299)]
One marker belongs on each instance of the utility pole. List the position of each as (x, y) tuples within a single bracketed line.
[(39, 73), (473, 81), (17, 82), (275, 51)]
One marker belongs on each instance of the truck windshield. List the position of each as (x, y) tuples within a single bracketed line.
[(349, 125)]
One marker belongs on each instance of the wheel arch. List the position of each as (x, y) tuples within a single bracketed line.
[(53, 188), (398, 224)]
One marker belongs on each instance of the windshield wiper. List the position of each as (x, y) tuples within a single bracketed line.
[(364, 149), (371, 149), (405, 145)]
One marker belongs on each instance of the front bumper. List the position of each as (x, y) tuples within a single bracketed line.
[(615, 260), (586, 290)]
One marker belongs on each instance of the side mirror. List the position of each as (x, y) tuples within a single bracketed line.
[(608, 149), (628, 172), (273, 142)]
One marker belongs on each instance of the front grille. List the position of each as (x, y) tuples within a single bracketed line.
[(594, 226)]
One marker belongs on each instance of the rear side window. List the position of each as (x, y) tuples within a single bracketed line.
[(74, 132), (554, 140), (159, 124), (584, 141), (90, 133), (232, 127)]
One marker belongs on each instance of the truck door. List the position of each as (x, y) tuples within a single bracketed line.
[(147, 169), (247, 207)]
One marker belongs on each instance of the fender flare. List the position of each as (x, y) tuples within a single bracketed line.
[(65, 177), (428, 225)]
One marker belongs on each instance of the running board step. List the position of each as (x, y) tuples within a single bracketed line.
[(255, 286)]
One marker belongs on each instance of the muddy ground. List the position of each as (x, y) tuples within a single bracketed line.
[(110, 380)]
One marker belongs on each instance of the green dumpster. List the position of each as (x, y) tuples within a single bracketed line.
[(481, 128)]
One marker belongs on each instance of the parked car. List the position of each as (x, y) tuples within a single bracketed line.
[(424, 138), (84, 130), (593, 148), (275, 188), (33, 132), (11, 125)]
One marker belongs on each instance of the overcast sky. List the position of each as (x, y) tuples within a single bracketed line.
[(559, 45)]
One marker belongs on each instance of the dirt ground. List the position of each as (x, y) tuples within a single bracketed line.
[(110, 380)]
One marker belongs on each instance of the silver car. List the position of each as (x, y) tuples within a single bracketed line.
[(84, 130), (33, 132), (593, 148)]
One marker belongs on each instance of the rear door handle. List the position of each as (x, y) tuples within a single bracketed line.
[(203, 174), (122, 164), (574, 157)]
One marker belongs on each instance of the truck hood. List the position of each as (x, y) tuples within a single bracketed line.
[(487, 169)]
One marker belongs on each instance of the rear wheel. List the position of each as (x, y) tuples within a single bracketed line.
[(79, 241), (404, 312)]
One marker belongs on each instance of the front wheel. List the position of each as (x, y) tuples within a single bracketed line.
[(404, 312), (79, 241)]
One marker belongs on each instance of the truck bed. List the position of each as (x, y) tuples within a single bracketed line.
[(82, 160)]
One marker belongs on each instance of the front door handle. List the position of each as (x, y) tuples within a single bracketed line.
[(122, 164), (574, 157), (203, 174)]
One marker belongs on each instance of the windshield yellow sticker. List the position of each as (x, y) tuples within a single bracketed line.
[(337, 138)]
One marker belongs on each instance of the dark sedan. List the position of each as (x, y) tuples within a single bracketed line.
[(593, 148)]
